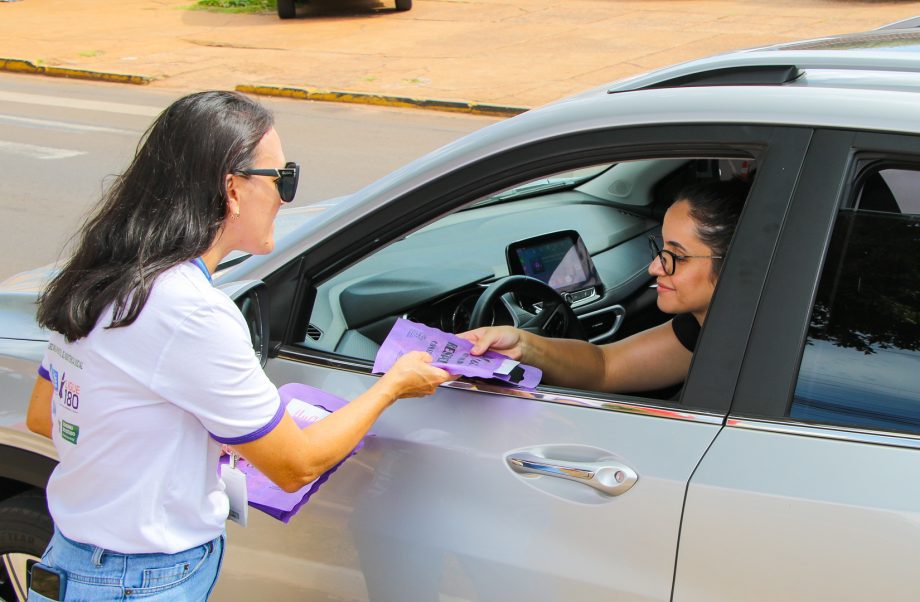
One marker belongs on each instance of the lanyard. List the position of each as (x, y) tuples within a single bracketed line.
[(201, 266)]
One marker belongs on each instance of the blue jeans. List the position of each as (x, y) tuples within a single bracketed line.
[(95, 574)]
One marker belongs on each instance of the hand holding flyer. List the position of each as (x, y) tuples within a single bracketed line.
[(451, 353)]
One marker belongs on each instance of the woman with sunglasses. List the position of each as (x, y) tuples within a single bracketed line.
[(149, 368), (696, 232)]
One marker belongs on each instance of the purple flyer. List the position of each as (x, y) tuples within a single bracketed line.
[(306, 405), (451, 353)]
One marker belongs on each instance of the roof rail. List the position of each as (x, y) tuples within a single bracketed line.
[(752, 75), (908, 23), (764, 67)]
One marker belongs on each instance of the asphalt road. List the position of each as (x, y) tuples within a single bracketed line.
[(60, 142)]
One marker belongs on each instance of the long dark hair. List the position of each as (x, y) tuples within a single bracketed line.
[(165, 209), (715, 207)]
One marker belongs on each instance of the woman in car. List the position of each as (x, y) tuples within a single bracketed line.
[(150, 369), (696, 232)]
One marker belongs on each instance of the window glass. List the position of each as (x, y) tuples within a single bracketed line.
[(861, 363)]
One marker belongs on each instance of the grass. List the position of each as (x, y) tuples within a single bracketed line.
[(236, 6)]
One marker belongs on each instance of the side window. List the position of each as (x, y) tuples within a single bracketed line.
[(861, 363), (598, 221)]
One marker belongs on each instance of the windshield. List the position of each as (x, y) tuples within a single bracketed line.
[(558, 181)]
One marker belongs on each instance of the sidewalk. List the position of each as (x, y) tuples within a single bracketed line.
[(504, 52)]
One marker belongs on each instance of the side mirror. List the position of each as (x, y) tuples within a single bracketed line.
[(251, 296)]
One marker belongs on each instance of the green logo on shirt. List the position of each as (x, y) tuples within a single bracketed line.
[(69, 432)]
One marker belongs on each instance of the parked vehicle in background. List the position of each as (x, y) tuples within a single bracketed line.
[(786, 468), (287, 9)]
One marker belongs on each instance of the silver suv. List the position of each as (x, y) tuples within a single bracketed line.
[(787, 466)]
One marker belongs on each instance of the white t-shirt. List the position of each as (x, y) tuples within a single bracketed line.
[(139, 412)]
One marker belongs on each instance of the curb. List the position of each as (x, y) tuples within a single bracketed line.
[(23, 66), (453, 106), (382, 100)]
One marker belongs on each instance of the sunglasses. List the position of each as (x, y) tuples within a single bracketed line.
[(286, 178)]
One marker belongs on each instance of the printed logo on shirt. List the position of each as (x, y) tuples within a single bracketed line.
[(69, 432), (75, 362), (67, 391)]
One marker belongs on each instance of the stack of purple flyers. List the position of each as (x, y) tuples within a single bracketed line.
[(306, 405), (452, 354)]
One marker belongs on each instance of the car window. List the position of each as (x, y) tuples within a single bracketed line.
[(436, 274), (862, 354)]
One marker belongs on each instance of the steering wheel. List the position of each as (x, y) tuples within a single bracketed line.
[(556, 319)]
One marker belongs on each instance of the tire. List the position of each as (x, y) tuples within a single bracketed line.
[(403, 5), (25, 530), (286, 9)]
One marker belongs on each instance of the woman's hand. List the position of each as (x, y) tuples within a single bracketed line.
[(502, 339), (292, 457), (412, 376)]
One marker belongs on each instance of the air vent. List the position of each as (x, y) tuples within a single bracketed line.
[(313, 332)]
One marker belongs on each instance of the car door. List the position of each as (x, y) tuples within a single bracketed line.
[(432, 508), (812, 491)]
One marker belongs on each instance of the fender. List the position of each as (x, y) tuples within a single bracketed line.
[(26, 458)]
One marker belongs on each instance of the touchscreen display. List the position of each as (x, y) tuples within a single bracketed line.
[(559, 260)]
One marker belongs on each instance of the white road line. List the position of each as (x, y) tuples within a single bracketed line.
[(73, 103), (37, 152), (61, 125)]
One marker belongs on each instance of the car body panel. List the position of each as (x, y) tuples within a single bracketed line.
[(808, 510), (467, 527)]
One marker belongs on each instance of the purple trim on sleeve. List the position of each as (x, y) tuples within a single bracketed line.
[(255, 434), (44, 373)]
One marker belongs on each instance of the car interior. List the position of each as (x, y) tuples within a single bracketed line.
[(582, 233)]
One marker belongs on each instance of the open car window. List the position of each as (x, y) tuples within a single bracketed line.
[(436, 274)]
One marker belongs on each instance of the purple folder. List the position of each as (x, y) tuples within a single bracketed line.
[(306, 405)]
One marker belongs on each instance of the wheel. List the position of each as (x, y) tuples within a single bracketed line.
[(556, 318), (25, 530), (403, 4), (286, 9)]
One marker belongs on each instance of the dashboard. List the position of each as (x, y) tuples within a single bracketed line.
[(452, 313), (436, 274)]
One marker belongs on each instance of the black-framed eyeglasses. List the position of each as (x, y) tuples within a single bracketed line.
[(286, 178), (669, 260)]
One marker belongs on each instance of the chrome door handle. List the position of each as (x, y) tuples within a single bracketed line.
[(609, 477)]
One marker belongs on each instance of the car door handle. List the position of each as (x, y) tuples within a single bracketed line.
[(608, 477)]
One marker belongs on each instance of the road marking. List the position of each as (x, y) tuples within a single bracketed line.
[(60, 125), (38, 152), (73, 103)]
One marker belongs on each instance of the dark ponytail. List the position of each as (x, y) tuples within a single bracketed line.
[(165, 209), (715, 207)]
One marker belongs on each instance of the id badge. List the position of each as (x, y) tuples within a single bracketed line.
[(235, 487)]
